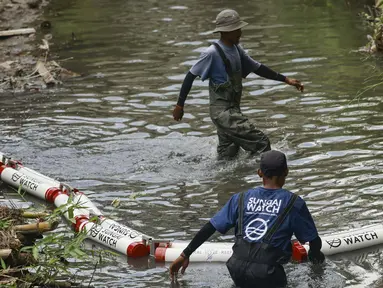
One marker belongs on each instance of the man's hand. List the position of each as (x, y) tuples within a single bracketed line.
[(181, 261), (316, 258), (178, 113), (296, 83)]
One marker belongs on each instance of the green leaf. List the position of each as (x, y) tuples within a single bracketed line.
[(94, 219), (79, 252), (73, 254), (3, 265), (26, 248), (70, 213), (35, 252), (20, 189), (4, 223), (116, 202)]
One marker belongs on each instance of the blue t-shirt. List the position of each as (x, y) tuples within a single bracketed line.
[(261, 209), (210, 64)]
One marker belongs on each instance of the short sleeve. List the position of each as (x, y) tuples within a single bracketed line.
[(304, 226), (226, 218), (203, 65), (248, 64)]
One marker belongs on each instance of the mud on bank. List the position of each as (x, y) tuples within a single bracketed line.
[(19, 55)]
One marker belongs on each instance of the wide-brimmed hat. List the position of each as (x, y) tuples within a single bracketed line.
[(228, 20)]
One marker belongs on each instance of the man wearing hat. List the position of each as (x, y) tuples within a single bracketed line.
[(265, 218), (225, 63)]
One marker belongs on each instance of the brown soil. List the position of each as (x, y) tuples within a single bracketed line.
[(19, 54), (15, 215)]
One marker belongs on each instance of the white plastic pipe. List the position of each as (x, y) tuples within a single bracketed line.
[(351, 231), (16, 178), (78, 198), (354, 240), (82, 200), (118, 237), (130, 245), (63, 199), (206, 245), (38, 177), (211, 254), (216, 253), (121, 229), (30, 185), (341, 242), (30, 173)]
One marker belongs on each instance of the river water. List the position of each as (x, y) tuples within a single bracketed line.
[(111, 133)]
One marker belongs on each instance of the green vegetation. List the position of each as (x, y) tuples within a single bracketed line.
[(374, 19), (49, 261)]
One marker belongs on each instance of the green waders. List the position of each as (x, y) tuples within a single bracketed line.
[(233, 128)]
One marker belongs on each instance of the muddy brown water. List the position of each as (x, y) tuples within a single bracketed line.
[(111, 134)]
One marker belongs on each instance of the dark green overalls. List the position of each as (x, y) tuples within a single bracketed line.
[(233, 128)]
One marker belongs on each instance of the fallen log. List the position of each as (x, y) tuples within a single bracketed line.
[(16, 32)]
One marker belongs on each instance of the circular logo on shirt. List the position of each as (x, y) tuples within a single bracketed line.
[(256, 229)]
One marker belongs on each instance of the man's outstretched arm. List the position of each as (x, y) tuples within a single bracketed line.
[(178, 111), (221, 222), (268, 73), (183, 260)]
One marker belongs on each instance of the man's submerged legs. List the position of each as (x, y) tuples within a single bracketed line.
[(234, 127), (226, 149)]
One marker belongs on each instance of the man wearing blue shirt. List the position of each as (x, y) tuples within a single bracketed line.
[(225, 63), (265, 218)]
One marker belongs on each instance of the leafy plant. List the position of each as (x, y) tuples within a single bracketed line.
[(54, 252), (5, 224), (374, 19)]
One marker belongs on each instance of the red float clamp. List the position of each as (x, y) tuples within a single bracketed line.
[(299, 252)]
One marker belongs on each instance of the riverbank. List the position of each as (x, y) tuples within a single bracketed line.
[(24, 59)]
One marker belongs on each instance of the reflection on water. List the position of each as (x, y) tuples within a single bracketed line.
[(111, 133)]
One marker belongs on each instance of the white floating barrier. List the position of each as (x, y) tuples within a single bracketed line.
[(82, 200), (348, 232), (130, 245), (352, 240), (37, 176), (109, 233), (134, 244), (206, 245), (214, 252), (30, 173), (210, 254), (120, 229), (30, 185), (43, 191), (341, 242)]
